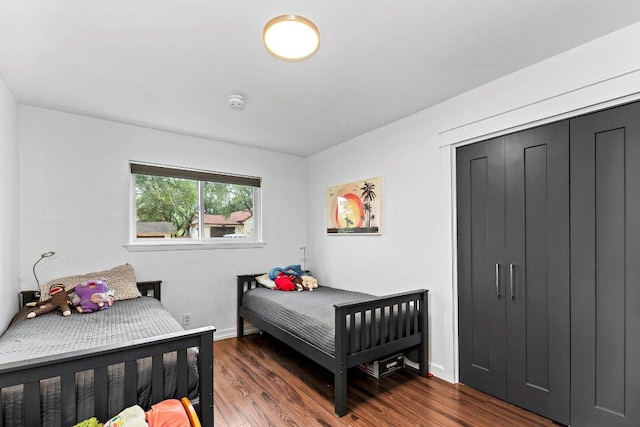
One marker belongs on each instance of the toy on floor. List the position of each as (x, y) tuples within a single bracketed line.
[(58, 298), (168, 413)]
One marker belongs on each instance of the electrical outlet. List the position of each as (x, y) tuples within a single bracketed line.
[(186, 319)]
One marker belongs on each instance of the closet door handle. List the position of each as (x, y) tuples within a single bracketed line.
[(511, 280), (498, 280)]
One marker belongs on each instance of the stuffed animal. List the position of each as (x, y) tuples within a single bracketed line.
[(92, 296), (308, 283), (58, 298), (284, 283)]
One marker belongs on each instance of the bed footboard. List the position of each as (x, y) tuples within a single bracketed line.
[(376, 328), (65, 366)]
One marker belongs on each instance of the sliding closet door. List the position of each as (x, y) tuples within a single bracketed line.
[(605, 268), (537, 276), (480, 202)]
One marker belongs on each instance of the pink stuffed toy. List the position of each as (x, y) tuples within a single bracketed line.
[(91, 296)]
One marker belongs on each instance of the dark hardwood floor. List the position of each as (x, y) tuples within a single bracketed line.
[(261, 382)]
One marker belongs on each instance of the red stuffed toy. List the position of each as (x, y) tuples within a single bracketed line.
[(284, 283)]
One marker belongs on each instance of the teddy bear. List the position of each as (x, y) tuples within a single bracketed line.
[(91, 296), (58, 298), (304, 283)]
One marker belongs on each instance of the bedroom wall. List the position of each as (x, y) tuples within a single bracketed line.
[(414, 157), (10, 206), (75, 200)]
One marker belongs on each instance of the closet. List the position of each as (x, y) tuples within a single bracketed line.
[(605, 268), (513, 268), (549, 268)]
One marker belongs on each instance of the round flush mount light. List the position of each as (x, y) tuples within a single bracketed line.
[(291, 37)]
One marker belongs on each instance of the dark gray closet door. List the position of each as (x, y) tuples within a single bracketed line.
[(537, 270), (480, 202), (605, 268)]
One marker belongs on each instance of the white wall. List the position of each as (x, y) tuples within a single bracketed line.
[(74, 187), (9, 206), (414, 157)]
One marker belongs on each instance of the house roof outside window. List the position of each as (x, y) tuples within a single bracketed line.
[(236, 218), (155, 229)]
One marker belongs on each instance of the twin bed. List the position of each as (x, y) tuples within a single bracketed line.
[(57, 370), (335, 328)]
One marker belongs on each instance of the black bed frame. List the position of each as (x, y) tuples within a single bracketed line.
[(408, 329), (29, 372)]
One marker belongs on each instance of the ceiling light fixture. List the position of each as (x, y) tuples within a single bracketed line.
[(291, 37)]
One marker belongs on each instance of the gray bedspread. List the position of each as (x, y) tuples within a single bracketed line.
[(309, 316), (51, 334)]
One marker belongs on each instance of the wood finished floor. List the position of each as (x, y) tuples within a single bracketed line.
[(261, 382)]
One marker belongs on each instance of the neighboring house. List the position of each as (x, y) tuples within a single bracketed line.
[(238, 223), (155, 229)]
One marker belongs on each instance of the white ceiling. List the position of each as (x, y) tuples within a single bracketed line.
[(171, 64)]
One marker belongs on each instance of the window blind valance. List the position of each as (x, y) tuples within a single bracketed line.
[(197, 175)]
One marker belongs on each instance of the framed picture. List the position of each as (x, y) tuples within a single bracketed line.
[(355, 208)]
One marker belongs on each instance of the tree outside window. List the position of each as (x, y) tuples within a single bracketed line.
[(177, 204)]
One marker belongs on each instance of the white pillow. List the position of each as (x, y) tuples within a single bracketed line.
[(265, 281)]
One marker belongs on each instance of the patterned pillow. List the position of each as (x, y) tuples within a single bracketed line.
[(121, 279)]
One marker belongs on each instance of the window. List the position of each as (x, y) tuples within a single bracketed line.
[(171, 205)]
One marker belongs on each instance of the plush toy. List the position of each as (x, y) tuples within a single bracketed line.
[(91, 296), (308, 283), (59, 298), (284, 283)]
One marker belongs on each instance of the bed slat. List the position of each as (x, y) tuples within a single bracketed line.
[(68, 399), (32, 404), (157, 379), (363, 330), (182, 373), (130, 383), (374, 327), (101, 393)]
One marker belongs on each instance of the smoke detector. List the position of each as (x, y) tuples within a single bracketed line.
[(236, 102)]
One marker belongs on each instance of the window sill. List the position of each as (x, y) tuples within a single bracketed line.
[(183, 246)]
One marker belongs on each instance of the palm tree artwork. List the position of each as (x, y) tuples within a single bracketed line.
[(368, 196), (354, 207)]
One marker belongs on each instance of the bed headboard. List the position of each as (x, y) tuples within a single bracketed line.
[(149, 288)]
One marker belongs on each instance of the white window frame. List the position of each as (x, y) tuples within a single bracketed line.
[(159, 244)]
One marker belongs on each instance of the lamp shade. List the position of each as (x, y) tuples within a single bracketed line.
[(291, 37)]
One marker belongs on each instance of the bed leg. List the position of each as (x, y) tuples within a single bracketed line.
[(240, 328), (423, 353), (241, 282), (340, 380), (340, 368), (422, 360)]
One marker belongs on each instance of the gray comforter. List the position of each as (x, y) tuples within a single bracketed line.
[(51, 334), (309, 316)]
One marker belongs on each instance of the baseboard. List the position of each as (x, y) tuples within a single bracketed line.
[(233, 332)]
